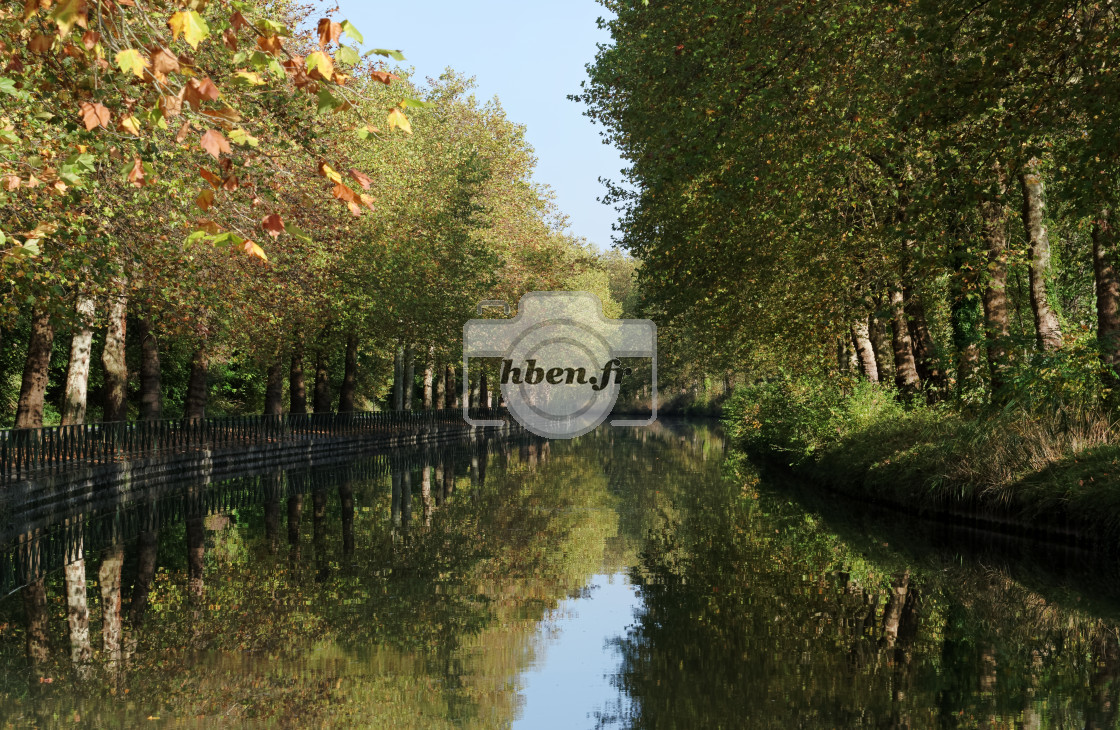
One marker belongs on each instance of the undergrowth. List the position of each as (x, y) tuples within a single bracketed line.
[(1035, 463)]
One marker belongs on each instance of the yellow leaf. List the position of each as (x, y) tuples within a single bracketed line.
[(240, 136), (190, 25), (252, 78), (130, 60), (398, 119), (321, 63), (255, 251), (328, 172), (130, 124)]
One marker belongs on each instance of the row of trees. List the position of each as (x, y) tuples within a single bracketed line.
[(930, 184), (147, 152)]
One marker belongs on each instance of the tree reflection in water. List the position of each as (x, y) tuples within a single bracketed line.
[(413, 594)]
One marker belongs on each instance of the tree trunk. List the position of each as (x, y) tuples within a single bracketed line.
[(322, 402), (319, 533), (113, 359), (145, 573), (77, 372), (196, 554), (346, 499), (295, 512), (439, 398), (274, 390), (297, 388), (997, 320), (426, 494), (1108, 293), (198, 390), (905, 369), (398, 379), (429, 378), (452, 392), (409, 377), (38, 623), (109, 575), (348, 393), (77, 611), (275, 482), (892, 614), (151, 400), (865, 351), (925, 357), (881, 345), (1047, 327), (36, 371), (483, 392)]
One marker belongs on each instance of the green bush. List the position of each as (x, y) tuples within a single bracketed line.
[(798, 418)]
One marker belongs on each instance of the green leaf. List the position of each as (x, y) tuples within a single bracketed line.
[(417, 104), (395, 55), (296, 231), (240, 136), (327, 102), (273, 28), (227, 239), (349, 29), (7, 86), (65, 15), (347, 55)]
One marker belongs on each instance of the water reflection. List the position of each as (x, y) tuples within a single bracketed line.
[(453, 586)]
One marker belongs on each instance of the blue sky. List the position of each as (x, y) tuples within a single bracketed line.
[(531, 55)]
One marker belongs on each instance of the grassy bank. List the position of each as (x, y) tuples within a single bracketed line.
[(1051, 469)]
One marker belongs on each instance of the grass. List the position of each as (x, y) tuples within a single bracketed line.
[(1054, 470)]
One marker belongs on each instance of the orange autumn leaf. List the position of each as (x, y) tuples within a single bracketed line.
[(215, 143), (362, 179), (344, 193), (274, 225), (94, 115), (200, 90), (329, 32), (237, 20), (384, 77), (205, 199), (136, 176), (210, 177), (171, 106), (164, 62), (269, 44)]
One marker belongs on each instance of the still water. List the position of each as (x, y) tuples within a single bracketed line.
[(626, 579)]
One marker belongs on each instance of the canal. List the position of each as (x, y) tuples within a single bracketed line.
[(647, 578)]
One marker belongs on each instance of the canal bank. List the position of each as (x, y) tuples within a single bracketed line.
[(1048, 474)]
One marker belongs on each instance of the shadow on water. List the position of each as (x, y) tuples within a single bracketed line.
[(423, 588)]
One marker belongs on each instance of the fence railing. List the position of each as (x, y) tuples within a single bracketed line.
[(23, 450)]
